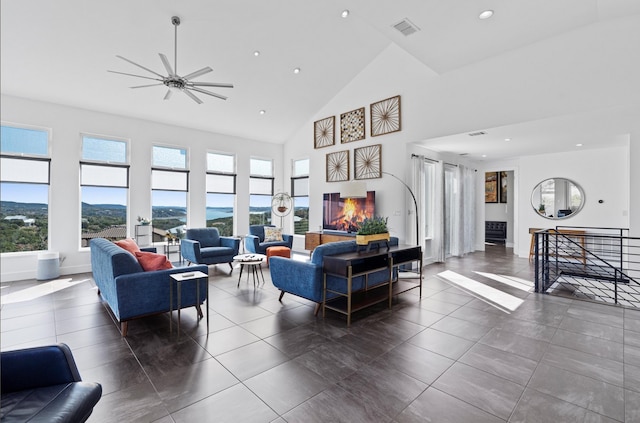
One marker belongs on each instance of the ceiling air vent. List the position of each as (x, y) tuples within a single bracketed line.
[(406, 27), (475, 134)]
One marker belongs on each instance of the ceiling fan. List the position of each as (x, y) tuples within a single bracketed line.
[(174, 81)]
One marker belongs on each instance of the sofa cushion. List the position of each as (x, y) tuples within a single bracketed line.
[(153, 261), (272, 234), (128, 244), (216, 251)]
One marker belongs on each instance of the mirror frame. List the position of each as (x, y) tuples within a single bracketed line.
[(582, 194)]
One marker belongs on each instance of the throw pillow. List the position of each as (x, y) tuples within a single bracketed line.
[(272, 234), (129, 245), (153, 261)]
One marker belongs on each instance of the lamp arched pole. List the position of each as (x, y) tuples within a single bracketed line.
[(415, 203)]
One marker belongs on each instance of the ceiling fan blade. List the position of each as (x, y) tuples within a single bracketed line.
[(200, 90), (145, 86), (166, 64), (198, 73), (190, 94), (140, 66), (210, 84), (137, 76), (167, 96)]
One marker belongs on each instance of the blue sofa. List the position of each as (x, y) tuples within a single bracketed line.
[(254, 242), (131, 292), (305, 279), (206, 246), (42, 384)]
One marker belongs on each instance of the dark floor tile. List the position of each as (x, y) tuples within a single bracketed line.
[(461, 328), (297, 341), (441, 343), (116, 375), (252, 359), (182, 386), (437, 306), (138, 403), (631, 406), (528, 329), (589, 344), (490, 393), (286, 386), (416, 362), (436, 406), (335, 405), (507, 365), (392, 391), (333, 361), (226, 340), (597, 396), (599, 368), (610, 333), (267, 326), (516, 344), (418, 315), (536, 406)]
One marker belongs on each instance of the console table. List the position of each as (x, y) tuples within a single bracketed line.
[(313, 239), (350, 265)]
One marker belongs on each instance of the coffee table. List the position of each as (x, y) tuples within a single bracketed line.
[(253, 262)]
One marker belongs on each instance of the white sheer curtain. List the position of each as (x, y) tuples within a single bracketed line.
[(418, 188), (438, 213), (463, 222)]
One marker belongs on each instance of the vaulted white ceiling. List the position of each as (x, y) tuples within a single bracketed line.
[(60, 51)]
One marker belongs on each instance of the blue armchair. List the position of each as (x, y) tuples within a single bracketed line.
[(206, 246), (255, 243), (42, 384)]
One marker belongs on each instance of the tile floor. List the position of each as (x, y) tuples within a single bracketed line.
[(449, 356)]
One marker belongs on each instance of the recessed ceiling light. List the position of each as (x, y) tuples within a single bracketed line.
[(484, 155), (345, 13), (256, 53), (507, 139), (262, 112), (486, 14), (296, 70), (578, 145)]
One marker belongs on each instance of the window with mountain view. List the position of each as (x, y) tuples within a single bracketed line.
[(169, 188), (104, 186), (24, 189), (260, 191), (221, 191), (300, 194)]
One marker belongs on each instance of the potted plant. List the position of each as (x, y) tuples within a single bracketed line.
[(372, 229)]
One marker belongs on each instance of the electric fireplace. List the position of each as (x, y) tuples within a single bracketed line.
[(346, 214)]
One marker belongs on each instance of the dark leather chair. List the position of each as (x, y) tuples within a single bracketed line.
[(254, 242), (42, 384)]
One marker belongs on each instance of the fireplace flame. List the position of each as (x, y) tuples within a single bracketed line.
[(350, 217)]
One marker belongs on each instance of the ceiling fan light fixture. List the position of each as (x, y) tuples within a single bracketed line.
[(173, 80)]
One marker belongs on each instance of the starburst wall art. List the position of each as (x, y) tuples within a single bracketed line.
[(368, 162), (385, 116)]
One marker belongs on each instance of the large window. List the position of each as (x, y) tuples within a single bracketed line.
[(169, 185), (300, 194), (24, 189), (104, 185), (221, 191), (260, 191)]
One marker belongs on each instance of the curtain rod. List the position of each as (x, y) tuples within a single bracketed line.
[(430, 160)]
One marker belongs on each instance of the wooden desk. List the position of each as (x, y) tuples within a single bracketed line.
[(350, 265), (571, 233)]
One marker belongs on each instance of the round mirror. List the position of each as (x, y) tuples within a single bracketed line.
[(557, 198)]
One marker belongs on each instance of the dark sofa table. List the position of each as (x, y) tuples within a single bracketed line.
[(351, 265)]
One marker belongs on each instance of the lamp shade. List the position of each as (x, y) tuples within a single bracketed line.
[(353, 189)]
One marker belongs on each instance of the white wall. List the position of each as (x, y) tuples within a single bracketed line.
[(603, 175), (68, 123)]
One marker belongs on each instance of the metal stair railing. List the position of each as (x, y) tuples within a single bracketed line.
[(599, 264)]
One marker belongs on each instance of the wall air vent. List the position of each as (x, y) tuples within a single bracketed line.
[(406, 27), (475, 134)]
